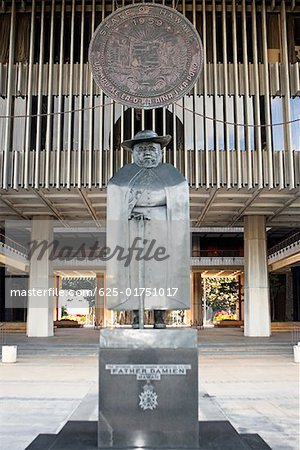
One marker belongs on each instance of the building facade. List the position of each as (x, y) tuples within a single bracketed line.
[(236, 135)]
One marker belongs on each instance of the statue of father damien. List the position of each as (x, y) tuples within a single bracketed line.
[(148, 214)]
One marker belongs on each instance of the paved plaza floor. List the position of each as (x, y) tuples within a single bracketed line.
[(253, 383)]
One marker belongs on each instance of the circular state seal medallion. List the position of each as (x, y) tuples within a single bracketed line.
[(146, 55)]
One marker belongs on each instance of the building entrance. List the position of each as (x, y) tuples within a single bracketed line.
[(218, 297)]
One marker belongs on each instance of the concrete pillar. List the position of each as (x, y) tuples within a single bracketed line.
[(256, 289), (100, 300), (197, 292), (296, 293), (40, 304)]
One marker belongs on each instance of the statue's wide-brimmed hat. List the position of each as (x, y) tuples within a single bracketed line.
[(146, 136)]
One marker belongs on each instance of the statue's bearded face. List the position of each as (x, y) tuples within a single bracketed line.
[(147, 154)]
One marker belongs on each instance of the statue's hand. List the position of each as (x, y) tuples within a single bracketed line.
[(137, 215)]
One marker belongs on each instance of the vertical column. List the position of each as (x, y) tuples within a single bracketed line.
[(197, 312), (241, 297), (100, 300), (239, 302), (2, 294), (289, 306), (188, 314), (296, 292), (40, 303), (8, 310), (57, 286), (256, 290), (8, 121)]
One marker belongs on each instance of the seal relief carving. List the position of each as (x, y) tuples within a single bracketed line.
[(146, 55)]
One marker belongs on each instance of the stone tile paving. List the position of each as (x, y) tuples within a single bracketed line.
[(256, 391), (39, 394), (258, 394)]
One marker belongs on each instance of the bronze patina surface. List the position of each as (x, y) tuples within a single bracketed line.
[(146, 55)]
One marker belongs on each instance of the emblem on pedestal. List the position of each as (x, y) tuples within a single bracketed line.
[(148, 398)]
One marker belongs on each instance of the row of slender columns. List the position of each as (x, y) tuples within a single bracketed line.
[(256, 301)]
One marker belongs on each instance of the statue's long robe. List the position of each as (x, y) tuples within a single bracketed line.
[(162, 195)]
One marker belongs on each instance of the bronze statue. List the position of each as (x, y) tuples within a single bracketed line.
[(148, 215)]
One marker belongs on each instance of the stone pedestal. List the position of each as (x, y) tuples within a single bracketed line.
[(148, 394)]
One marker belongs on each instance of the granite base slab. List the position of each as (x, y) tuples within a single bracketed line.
[(214, 435)]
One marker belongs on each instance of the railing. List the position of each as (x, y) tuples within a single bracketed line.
[(215, 261), (3, 334), (295, 335), (72, 257), (285, 243), (217, 253), (13, 245)]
